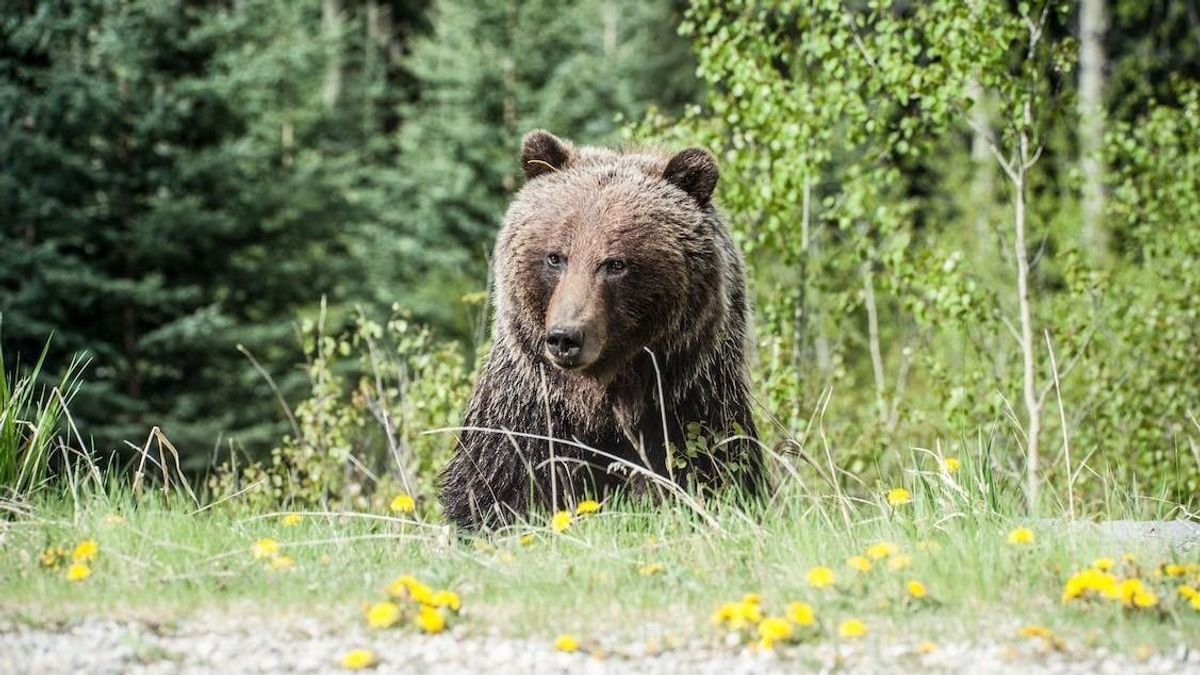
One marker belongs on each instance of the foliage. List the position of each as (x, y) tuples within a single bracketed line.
[(355, 446), (30, 421)]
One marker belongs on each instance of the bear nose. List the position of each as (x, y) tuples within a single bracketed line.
[(564, 342)]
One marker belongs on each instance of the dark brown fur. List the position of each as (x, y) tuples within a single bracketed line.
[(677, 291)]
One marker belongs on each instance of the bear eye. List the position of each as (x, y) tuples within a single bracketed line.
[(614, 267), (554, 260)]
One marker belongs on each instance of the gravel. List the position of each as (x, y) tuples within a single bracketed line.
[(244, 644)]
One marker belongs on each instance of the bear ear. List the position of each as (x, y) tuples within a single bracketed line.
[(695, 172), (542, 152)]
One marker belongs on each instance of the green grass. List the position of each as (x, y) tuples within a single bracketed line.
[(165, 562)]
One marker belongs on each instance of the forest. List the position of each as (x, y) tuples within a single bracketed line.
[(245, 294)]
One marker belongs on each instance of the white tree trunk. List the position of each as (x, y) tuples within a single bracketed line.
[(1093, 21), (331, 26)]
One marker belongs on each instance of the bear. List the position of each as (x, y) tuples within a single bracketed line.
[(620, 331)]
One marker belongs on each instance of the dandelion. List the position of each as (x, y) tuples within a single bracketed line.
[(446, 598), (1103, 564), (407, 586), (527, 539), (852, 628), (1145, 599), (898, 496), (752, 599), (587, 506), (1194, 601), (357, 659), (917, 589), (282, 563), (566, 643), (290, 519), (881, 550), (383, 614), (430, 620), (85, 551), (78, 572), (737, 614), (1174, 570), (651, 569), (800, 613), (925, 647), (1125, 591), (820, 577), (1088, 580), (265, 548), (951, 464), (859, 563), (773, 629), (1034, 630), (900, 562), (1020, 536), (561, 521), (1188, 592), (403, 504)]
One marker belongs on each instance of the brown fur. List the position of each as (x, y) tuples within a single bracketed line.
[(645, 266)]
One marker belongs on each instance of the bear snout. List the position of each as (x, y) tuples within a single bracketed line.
[(564, 345)]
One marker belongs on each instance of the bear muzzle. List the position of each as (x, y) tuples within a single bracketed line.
[(565, 345)]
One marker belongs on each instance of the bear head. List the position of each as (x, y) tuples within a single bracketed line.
[(605, 254)]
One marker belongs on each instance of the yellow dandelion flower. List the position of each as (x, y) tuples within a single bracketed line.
[(952, 464), (752, 599), (403, 504), (561, 521), (430, 620), (1187, 592), (1088, 580), (925, 647), (1103, 564), (1020, 536), (917, 589), (820, 577), (852, 628), (1125, 591), (898, 496), (651, 569), (1034, 630), (85, 551), (383, 614), (527, 538), (1174, 570), (773, 629), (738, 615), (900, 562), (587, 506), (265, 548), (1145, 599), (407, 586), (566, 643), (1194, 601), (881, 550), (446, 598), (357, 659), (800, 613), (282, 563), (290, 519), (78, 572), (859, 563)]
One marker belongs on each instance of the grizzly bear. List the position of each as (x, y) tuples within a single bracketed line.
[(619, 335)]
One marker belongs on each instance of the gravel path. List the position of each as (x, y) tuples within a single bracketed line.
[(227, 646)]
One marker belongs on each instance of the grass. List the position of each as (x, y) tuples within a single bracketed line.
[(30, 419), (164, 561)]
